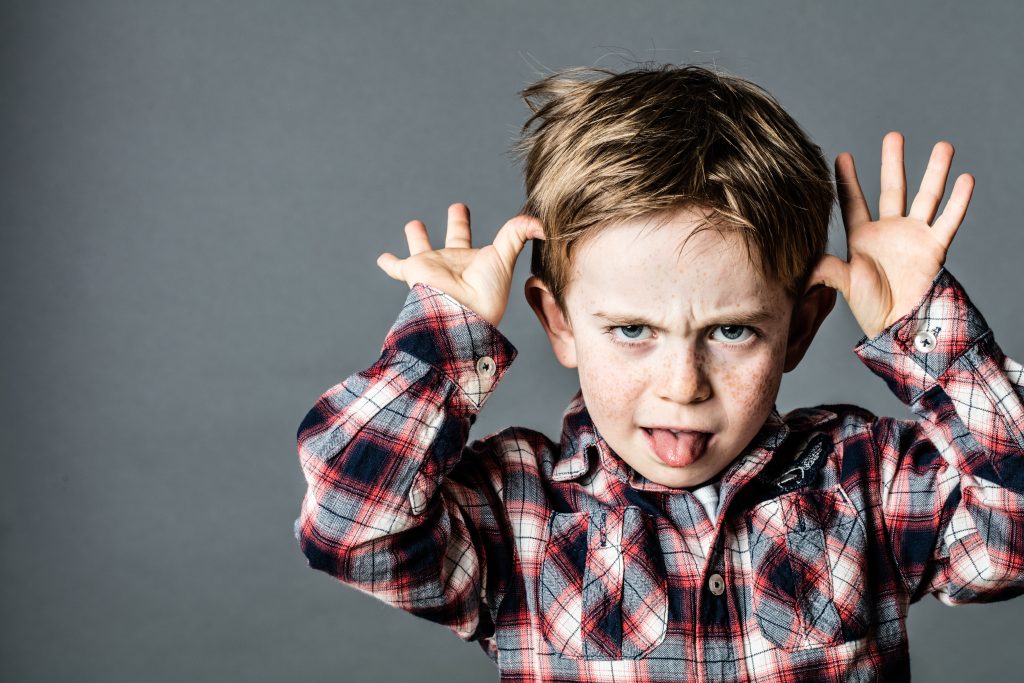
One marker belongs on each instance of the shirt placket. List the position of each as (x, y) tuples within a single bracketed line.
[(715, 632), (602, 587)]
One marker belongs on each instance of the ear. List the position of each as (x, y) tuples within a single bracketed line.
[(808, 314), (558, 329)]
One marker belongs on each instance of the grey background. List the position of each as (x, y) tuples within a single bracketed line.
[(193, 197)]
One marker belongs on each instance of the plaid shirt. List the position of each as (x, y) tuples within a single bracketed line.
[(567, 565)]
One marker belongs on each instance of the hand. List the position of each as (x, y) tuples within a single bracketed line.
[(479, 279), (892, 261)]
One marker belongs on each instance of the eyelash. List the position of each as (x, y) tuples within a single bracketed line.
[(611, 329)]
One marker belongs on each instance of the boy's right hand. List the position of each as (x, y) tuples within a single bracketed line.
[(479, 279)]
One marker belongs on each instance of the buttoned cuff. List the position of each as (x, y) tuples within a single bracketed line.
[(915, 351), (439, 330)]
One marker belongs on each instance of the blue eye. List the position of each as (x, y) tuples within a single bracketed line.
[(732, 332), (630, 335), (629, 332)]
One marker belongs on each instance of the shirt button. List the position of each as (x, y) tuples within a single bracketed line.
[(717, 584), (485, 366), (924, 341)]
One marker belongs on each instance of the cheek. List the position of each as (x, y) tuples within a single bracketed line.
[(610, 385), (750, 389)]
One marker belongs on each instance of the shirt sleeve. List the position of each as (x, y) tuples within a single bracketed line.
[(397, 505), (951, 481)]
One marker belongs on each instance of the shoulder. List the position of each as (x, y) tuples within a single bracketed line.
[(832, 438), (847, 427), (515, 448), (511, 462), (839, 419)]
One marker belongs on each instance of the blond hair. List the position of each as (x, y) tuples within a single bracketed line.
[(656, 139)]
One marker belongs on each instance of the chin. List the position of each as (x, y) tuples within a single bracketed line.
[(686, 483), (676, 479), (683, 477)]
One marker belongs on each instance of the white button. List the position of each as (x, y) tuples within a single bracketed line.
[(717, 584), (924, 341), (485, 366)]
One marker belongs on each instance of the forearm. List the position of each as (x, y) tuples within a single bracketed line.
[(951, 486), (382, 510)]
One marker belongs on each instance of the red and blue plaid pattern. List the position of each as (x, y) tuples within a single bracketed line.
[(567, 565)]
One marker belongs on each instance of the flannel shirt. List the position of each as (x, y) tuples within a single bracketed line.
[(567, 565)]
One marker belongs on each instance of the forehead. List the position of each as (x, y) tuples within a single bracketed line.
[(640, 262)]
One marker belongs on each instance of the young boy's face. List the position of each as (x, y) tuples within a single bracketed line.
[(692, 340)]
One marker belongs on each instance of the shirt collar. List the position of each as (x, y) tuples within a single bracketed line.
[(583, 449), (580, 442)]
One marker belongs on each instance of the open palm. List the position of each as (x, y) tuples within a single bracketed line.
[(479, 279), (893, 260)]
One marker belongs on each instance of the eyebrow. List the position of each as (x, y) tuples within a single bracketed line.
[(739, 318)]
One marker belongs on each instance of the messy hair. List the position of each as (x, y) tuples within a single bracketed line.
[(659, 138)]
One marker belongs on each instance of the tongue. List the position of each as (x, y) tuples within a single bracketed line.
[(678, 451)]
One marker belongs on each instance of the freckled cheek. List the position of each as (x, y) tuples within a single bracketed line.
[(750, 389), (610, 389)]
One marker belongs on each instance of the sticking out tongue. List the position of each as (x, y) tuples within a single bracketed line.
[(678, 451)]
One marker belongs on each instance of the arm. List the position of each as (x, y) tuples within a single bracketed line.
[(951, 494), (397, 505), (952, 482)]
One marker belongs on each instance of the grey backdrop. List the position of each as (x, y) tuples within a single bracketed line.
[(193, 198)]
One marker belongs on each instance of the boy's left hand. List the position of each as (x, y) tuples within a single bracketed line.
[(892, 261)]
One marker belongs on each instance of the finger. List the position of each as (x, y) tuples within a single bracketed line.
[(458, 227), (933, 184), (416, 236), (851, 198), (391, 264), (513, 236), (952, 216), (892, 199)]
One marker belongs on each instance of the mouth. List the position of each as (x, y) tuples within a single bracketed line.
[(676, 448)]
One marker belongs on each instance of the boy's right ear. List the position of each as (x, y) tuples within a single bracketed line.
[(558, 329)]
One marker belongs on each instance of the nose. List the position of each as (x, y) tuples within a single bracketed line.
[(683, 376)]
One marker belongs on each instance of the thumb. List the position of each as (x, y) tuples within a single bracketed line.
[(513, 236), (831, 271)]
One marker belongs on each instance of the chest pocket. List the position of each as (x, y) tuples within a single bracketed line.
[(602, 591), (807, 550)]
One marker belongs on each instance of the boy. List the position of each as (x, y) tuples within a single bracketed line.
[(681, 529)]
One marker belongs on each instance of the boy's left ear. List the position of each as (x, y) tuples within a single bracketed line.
[(808, 314)]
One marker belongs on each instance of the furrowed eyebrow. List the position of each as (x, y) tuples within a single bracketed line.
[(739, 318)]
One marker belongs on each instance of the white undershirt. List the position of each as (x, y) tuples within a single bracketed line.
[(707, 495)]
